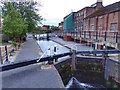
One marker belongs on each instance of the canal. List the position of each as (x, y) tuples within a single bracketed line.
[(88, 74)]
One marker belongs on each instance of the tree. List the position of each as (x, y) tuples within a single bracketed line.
[(29, 13), (13, 24), (54, 28)]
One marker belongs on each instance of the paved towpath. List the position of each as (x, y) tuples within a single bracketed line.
[(30, 50), (32, 76)]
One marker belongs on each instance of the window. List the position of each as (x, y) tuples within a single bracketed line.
[(113, 27), (86, 28), (84, 13), (92, 28)]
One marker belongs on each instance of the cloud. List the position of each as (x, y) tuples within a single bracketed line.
[(55, 10)]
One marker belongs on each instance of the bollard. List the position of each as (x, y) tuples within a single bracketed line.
[(80, 41), (6, 55), (88, 43), (55, 52), (99, 47), (1, 56)]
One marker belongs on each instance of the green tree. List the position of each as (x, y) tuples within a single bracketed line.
[(13, 24), (29, 13)]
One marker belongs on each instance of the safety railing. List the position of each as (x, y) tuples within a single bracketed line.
[(51, 58), (104, 34), (6, 52)]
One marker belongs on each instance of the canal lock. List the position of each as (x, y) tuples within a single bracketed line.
[(88, 75)]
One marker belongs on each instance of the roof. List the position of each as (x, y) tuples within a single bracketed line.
[(68, 15), (106, 10)]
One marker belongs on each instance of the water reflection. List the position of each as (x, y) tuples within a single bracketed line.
[(48, 47)]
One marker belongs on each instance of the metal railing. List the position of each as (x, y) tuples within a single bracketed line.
[(51, 58), (97, 35)]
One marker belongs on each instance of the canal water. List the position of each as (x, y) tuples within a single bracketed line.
[(86, 81)]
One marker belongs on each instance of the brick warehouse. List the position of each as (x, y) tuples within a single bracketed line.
[(106, 18), (80, 23), (97, 17), (104, 23)]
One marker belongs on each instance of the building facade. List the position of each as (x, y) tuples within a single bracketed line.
[(68, 22), (105, 19), (46, 27), (95, 18), (80, 21)]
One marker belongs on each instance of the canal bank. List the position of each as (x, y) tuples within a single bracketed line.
[(110, 83), (64, 69), (32, 76)]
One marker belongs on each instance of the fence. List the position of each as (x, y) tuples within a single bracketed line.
[(93, 35), (5, 52)]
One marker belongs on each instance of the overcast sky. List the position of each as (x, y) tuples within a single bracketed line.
[(55, 10)]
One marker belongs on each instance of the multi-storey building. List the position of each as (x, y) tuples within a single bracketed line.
[(106, 18), (80, 23), (96, 17)]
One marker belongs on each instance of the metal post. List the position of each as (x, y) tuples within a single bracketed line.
[(96, 35), (73, 60), (89, 35), (6, 55), (105, 58), (105, 36), (116, 37), (80, 33), (1, 56), (48, 36)]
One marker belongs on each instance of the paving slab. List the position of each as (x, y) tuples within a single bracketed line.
[(29, 51), (33, 76)]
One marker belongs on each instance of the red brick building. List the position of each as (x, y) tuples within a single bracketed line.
[(46, 27), (106, 18), (80, 21), (97, 17)]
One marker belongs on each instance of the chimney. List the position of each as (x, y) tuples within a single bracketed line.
[(99, 0), (99, 4)]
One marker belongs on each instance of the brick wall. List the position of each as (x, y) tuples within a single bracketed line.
[(104, 21), (112, 18)]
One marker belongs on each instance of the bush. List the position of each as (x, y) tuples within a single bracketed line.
[(24, 39), (14, 43)]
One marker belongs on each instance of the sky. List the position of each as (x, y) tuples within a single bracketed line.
[(53, 11)]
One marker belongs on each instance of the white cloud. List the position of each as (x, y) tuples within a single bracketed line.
[(55, 10)]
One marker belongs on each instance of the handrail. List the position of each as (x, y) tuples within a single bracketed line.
[(26, 63), (50, 58)]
